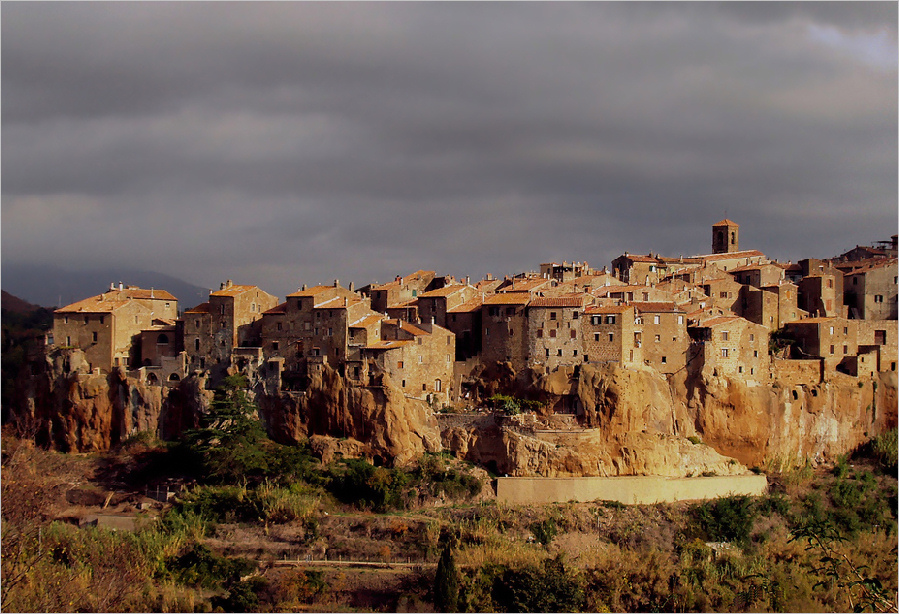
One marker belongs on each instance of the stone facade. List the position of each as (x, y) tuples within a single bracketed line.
[(504, 324), (725, 237), (871, 292), (107, 327), (832, 339), (732, 346), (663, 329), (553, 331), (610, 334)]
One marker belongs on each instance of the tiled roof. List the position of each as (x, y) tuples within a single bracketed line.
[(201, 308), (139, 293), (309, 291), (557, 301), (639, 258), (233, 290), (750, 253), (657, 307), (725, 222), (404, 305), (444, 291), (367, 321), (468, 306), (276, 311), (751, 267), (338, 302), (408, 327), (508, 298), (389, 345), (879, 264), (95, 304)]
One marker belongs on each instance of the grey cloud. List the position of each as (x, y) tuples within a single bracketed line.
[(368, 138)]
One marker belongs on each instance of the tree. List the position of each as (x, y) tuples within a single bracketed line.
[(228, 440), (446, 582)]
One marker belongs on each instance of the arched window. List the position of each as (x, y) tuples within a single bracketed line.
[(174, 377), (162, 339), (152, 379)]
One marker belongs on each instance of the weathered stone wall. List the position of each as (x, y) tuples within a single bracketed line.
[(628, 490)]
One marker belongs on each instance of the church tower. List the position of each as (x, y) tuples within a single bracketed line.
[(725, 237)]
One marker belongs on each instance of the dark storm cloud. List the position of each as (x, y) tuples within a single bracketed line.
[(297, 142)]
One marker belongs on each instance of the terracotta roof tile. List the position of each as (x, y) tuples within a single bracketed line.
[(389, 345), (233, 290), (201, 308), (607, 309), (656, 307), (508, 298), (444, 291), (557, 301), (367, 321), (725, 222), (309, 291), (276, 311), (468, 306), (93, 305)]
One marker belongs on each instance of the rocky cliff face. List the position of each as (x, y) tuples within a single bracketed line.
[(631, 421)]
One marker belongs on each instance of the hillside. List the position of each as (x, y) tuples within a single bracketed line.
[(56, 286)]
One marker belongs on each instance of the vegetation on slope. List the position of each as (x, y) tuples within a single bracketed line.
[(819, 540)]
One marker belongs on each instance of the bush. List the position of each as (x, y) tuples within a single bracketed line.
[(365, 486), (197, 565), (726, 518), (545, 530)]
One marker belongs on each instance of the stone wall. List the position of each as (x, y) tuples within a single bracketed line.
[(631, 490)]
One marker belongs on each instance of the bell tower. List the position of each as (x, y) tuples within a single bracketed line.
[(725, 237)]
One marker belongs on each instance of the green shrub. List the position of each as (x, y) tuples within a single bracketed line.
[(545, 530), (197, 565), (694, 440), (726, 518), (365, 486), (549, 587)]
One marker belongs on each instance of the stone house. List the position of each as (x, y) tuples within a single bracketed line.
[(833, 339), (758, 275), (664, 335), (639, 270), (871, 292), (554, 330), (565, 272), (465, 322), (771, 306), (723, 292), (882, 338), (730, 346), (417, 357), (627, 293), (504, 335), (403, 289), (230, 319), (107, 327), (526, 282), (610, 334), (437, 303), (821, 294)]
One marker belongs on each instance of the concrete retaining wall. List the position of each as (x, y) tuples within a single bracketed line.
[(629, 490)]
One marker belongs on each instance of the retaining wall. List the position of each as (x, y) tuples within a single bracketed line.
[(630, 490)]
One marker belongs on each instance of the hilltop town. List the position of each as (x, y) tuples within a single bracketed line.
[(732, 312)]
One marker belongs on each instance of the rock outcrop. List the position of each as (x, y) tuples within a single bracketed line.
[(626, 421)]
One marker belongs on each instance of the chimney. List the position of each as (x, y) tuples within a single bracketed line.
[(352, 287), (345, 301), (111, 286), (304, 286), (229, 283), (336, 283), (121, 286), (151, 293)]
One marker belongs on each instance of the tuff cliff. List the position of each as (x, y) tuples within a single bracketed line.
[(628, 421)]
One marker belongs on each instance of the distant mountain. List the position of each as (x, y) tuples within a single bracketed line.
[(15, 304), (56, 287)]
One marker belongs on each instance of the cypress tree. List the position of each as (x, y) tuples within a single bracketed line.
[(446, 582)]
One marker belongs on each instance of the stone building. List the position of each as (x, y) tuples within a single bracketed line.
[(870, 293), (882, 338), (554, 330), (664, 335), (403, 289), (417, 357), (107, 327), (230, 319), (725, 237), (730, 346), (610, 334), (437, 303), (504, 329), (465, 322), (833, 339), (639, 270), (771, 306), (565, 272), (758, 275)]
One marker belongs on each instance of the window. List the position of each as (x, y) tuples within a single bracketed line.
[(486, 332), (94, 336), (275, 345), (680, 319), (611, 337), (831, 330), (404, 383), (547, 352), (102, 319), (724, 335), (424, 387), (399, 365), (438, 385), (610, 319), (739, 369), (655, 319), (197, 324), (596, 336), (575, 353), (658, 338), (280, 326), (880, 337), (878, 298), (162, 339), (552, 333), (539, 333), (420, 358), (316, 330), (751, 336), (511, 332), (552, 315), (558, 352), (831, 350), (845, 349), (664, 360), (830, 283), (494, 311), (755, 353), (575, 315), (196, 345), (510, 311), (66, 319), (724, 353), (574, 333), (845, 330)]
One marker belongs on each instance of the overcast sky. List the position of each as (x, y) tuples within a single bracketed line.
[(279, 144)]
